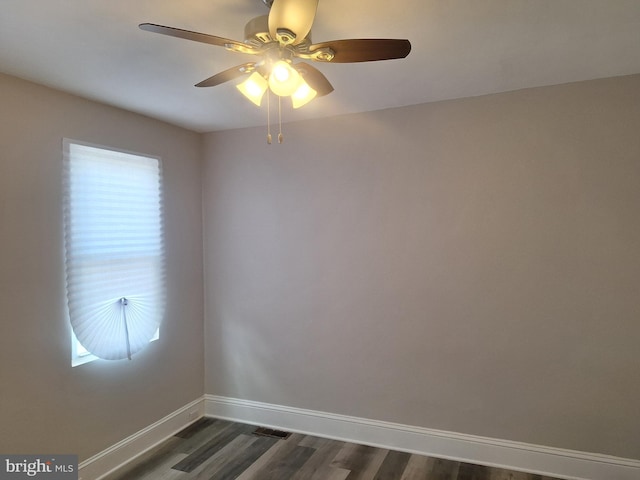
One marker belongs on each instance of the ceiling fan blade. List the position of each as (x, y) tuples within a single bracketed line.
[(295, 16), (364, 50), (229, 74), (195, 36), (315, 79)]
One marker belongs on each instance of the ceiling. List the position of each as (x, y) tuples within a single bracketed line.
[(461, 48)]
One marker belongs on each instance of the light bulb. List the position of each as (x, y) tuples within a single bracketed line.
[(254, 87), (281, 72), (284, 80)]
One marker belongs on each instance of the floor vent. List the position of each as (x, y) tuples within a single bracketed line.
[(269, 432)]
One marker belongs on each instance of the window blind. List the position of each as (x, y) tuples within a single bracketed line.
[(114, 248)]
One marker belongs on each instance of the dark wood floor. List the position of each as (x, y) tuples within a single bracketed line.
[(221, 450)]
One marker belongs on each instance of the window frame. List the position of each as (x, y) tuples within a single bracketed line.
[(79, 355)]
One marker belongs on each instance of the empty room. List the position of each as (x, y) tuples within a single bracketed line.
[(320, 240)]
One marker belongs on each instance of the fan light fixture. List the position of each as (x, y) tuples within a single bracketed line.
[(284, 81), (254, 87), (303, 95)]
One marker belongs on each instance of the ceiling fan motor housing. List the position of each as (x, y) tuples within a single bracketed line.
[(256, 32)]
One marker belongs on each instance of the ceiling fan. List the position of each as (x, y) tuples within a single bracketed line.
[(276, 39)]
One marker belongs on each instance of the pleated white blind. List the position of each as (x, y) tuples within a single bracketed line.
[(114, 248)]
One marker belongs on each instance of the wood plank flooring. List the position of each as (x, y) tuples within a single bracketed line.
[(213, 449)]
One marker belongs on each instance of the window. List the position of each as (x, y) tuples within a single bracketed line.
[(114, 250)]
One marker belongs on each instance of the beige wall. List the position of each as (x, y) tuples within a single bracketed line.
[(45, 405), (471, 266)]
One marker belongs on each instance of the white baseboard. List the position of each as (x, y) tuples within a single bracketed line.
[(123, 452), (525, 457)]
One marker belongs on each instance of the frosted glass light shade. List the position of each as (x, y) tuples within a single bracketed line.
[(284, 80), (303, 95), (254, 87)]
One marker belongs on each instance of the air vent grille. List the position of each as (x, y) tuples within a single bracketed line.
[(269, 432)]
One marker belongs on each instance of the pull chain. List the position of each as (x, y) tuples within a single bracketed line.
[(280, 137), (123, 303), (268, 117)]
